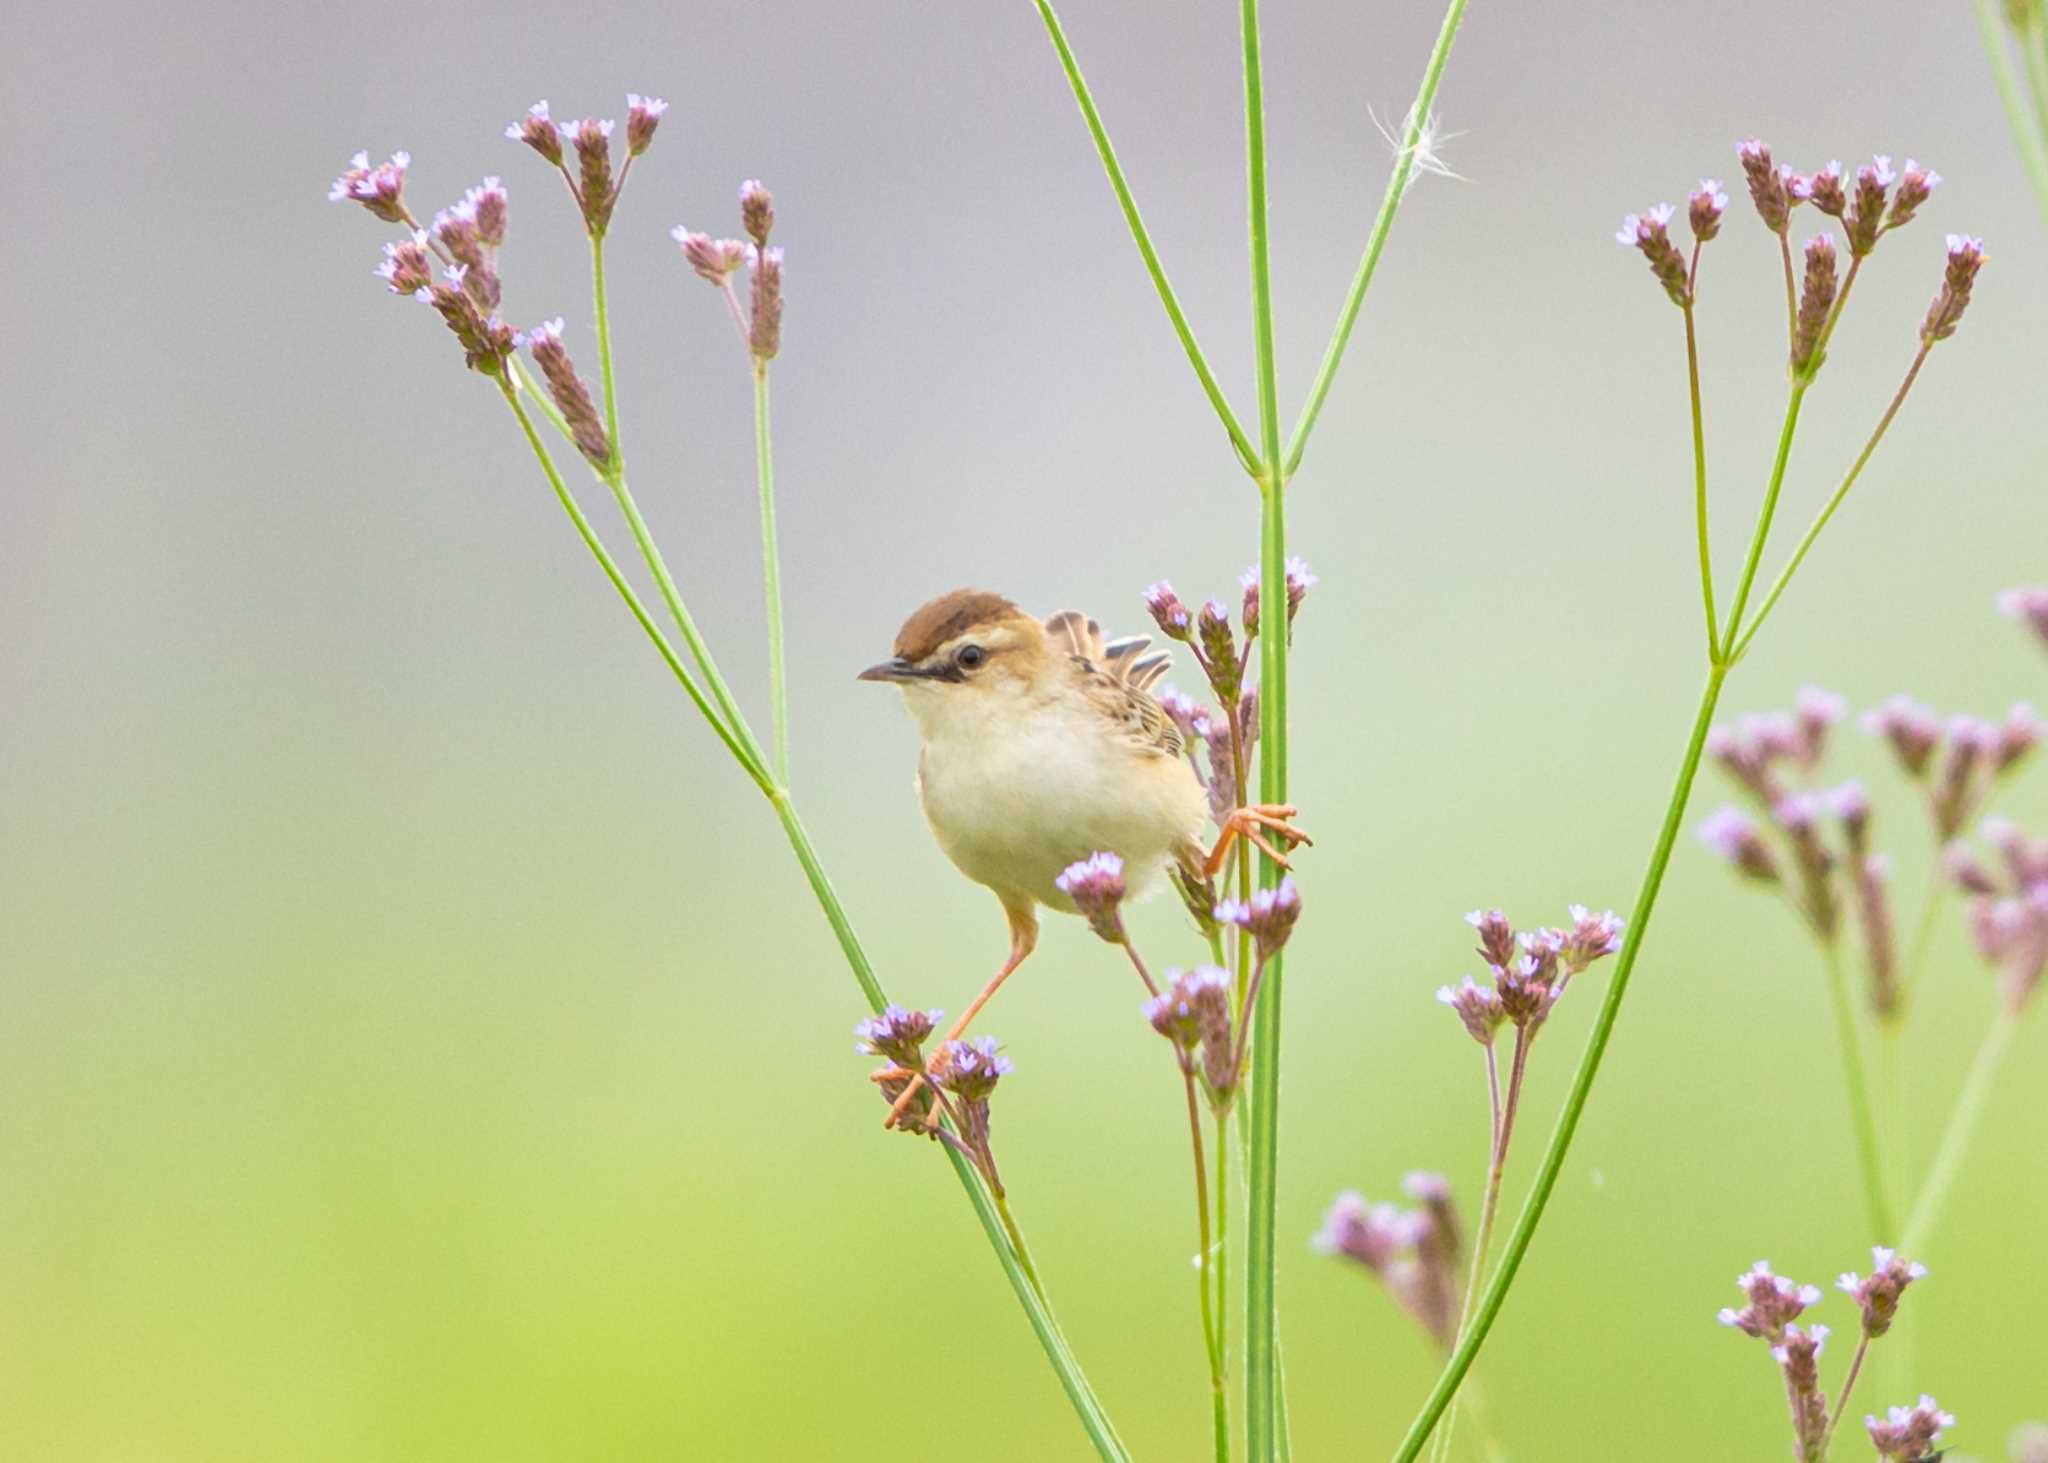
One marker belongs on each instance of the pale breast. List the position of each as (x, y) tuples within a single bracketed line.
[(1012, 807)]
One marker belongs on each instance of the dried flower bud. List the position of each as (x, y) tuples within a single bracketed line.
[(1825, 191), (1477, 1006), (757, 211), (538, 131), (1774, 1303), (407, 268), (1167, 611), (1590, 937), (1816, 299), (1651, 234), (764, 326), (1965, 258), (1704, 209), (572, 397), (1910, 728), (1730, 833), (643, 115), (1096, 886), (1798, 1356), (897, 1034), (1865, 218), (1219, 651), (1909, 1435), (486, 340), (1768, 184), (380, 189), (713, 259), (1916, 184), (593, 139), (1496, 936), (2028, 604), (1878, 1296)]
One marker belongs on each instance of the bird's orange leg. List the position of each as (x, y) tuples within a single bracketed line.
[(1023, 939), (1245, 823)]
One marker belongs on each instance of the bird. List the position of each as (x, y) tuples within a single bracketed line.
[(1042, 745)]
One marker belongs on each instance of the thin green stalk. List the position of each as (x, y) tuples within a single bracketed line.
[(1820, 520), (539, 398), (619, 582), (1956, 1136), (1699, 468), (1842, 1397), (1382, 225), (1869, 1154), (1136, 223), (1004, 1237), (771, 573), (1222, 1259), (1763, 518), (2033, 144), (1923, 938), (1264, 1403), (1219, 1396), (1552, 1164)]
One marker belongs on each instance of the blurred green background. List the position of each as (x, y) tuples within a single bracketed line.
[(417, 1041)]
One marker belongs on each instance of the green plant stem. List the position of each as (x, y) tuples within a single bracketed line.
[(1869, 1154), (604, 348), (1820, 520), (1956, 1136), (2033, 143), (539, 398), (771, 573), (1791, 292), (1141, 237), (1382, 225), (1842, 1397), (619, 582), (1005, 1239), (1264, 1402), (1222, 1260), (1764, 517), (1552, 1164), (1923, 938), (1219, 1398), (1699, 468)]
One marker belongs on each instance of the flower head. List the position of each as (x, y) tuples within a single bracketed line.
[(1865, 219), (1911, 729), (757, 211), (1167, 611), (1816, 299), (970, 1069), (1590, 937), (1732, 834), (1096, 885), (1650, 232), (764, 303), (1909, 1434), (1770, 187), (1965, 258), (2028, 604), (1367, 1233), (538, 131), (380, 189), (1704, 209), (407, 268), (713, 259), (1496, 936), (1478, 1006), (592, 137), (1773, 1303), (572, 397), (1916, 185), (1824, 190), (643, 115), (897, 1034), (1877, 1296), (1269, 915)]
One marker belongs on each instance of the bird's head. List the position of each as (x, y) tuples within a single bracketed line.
[(962, 656)]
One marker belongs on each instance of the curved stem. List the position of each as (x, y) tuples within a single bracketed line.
[(1136, 223), (1956, 1136), (2033, 144), (1552, 1164), (1827, 511), (771, 573), (1382, 225), (1869, 1155), (1222, 1260), (1763, 518), (1219, 1398), (1842, 1397), (1699, 470)]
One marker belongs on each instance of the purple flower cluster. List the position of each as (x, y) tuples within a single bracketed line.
[(1414, 1252), (2008, 908), (717, 260), (1530, 970)]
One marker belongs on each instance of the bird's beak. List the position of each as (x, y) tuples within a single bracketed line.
[(896, 668)]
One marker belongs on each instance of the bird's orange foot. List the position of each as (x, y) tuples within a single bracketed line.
[(1250, 823), (910, 1100)]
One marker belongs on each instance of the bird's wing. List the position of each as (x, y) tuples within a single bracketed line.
[(1127, 711), (1124, 658)]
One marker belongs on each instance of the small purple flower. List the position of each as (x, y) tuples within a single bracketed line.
[(1916, 184), (1367, 1233), (1269, 915), (380, 189), (1704, 209), (1172, 1012), (1590, 937), (1774, 1303), (2027, 603), (1477, 1006), (1096, 885), (764, 304), (1909, 1434), (1650, 233), (486, 206), (1965, 872), (1528, 989), (1824, 190), (592, 137), (407, 269), (2017, 735), (1167, 611), (1815, 711), (1878, 1296), (1496, 936), (572, 397), (1865, 219), (1816, 299), (1219, 649), (897, 1034), (538, 131), (643, 115), (757, 211), (1769, 186), (1911, 729), (1183, 710), (1730, 833), (1965, 258), (970, 1069), (1798, 1356), (713, 259)]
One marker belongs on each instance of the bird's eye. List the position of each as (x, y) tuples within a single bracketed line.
[(970, 656)]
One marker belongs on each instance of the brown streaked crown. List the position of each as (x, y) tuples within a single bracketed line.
[(933, 624)]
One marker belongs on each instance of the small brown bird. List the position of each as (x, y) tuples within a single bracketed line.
[(1043, 745)]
